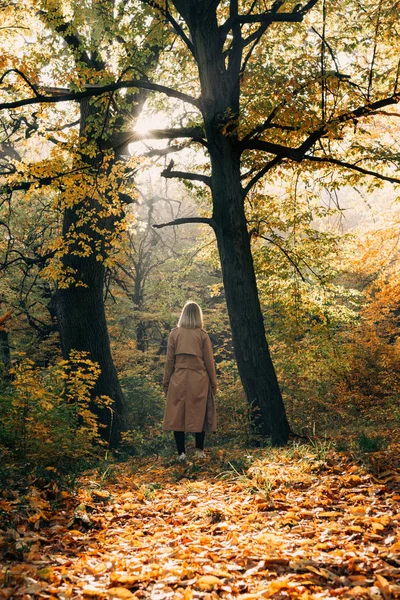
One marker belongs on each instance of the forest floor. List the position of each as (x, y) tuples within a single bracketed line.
[(301, 522)]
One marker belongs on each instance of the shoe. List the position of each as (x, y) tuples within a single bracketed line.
[(181, 457), (199, 453)]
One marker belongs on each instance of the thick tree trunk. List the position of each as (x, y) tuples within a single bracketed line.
[(80, 306), (248, 333), (82, 326)]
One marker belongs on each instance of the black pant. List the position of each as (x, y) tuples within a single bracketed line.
[(180, 440)]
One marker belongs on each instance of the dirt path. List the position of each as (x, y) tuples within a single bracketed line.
[(292, 526)]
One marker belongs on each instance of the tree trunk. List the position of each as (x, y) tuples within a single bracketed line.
[(4, 354), (82, 326), (79, 307), (141, 336), (248, 333)]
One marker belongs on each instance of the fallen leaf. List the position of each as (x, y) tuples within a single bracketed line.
[(119, 593), (206, 583)]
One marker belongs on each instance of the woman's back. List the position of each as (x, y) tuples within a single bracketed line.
[(189, 340)]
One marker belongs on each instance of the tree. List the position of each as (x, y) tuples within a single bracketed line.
[(222, 52), (145, 251), (88, 172)]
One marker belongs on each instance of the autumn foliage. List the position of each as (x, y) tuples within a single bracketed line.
[(47, 417)]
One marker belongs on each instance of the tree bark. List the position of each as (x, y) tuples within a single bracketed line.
[(4, 354)]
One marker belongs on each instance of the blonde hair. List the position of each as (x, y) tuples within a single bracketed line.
[(191, 316)]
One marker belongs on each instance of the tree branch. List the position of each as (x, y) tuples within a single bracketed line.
[(267, 124), (271, 148), (40, 181), (298, 154), (178, 29), (165, 151), (185, 220), (361, 111), (272, 16), (285, 252), (69, 34), (272, 163), (65, 95), (307, 7), (341, 163), (162, 134), (266, 18), (168, 174), (23, 76), (29, 261)]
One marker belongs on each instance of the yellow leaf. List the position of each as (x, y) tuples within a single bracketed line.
[(384, 586), (124, 578), (47, 574), (357, 510), (206, 583), (92, 592), (119, 593)]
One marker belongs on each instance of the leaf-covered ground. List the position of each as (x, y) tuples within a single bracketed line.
[(297, 523)]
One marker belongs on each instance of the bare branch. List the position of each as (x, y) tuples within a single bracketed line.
[(168, 174), (185, 220)]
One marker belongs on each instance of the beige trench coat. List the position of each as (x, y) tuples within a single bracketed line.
[(191, 382)]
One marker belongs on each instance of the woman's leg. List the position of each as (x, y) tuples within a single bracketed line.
[(180, 441), (200, 440)]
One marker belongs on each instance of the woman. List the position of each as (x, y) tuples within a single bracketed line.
[(190, 381)]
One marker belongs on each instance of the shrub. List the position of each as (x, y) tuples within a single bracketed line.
[(233, 410), (46, 420), (370, 443), (146, 404)]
